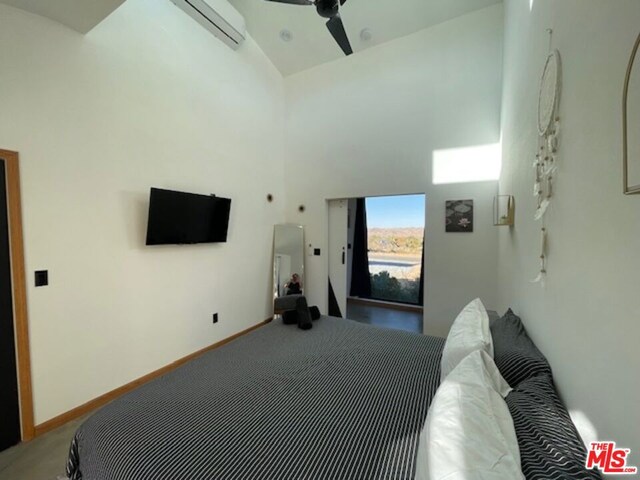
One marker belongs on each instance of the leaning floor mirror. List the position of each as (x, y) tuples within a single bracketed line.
[(631, 124), (288, 265)]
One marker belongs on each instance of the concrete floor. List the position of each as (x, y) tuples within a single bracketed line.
[(385, 317), (41, 459)]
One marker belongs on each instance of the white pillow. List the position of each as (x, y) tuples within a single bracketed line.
[(469, 332), (469, 432)]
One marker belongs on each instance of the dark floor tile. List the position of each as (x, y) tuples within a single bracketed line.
[(43, 458), (385, 317)]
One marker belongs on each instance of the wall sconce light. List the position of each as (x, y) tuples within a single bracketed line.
[(504, 210)]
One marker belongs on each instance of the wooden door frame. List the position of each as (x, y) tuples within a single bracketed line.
[(18, 280)]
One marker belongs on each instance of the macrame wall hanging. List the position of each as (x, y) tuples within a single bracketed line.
[(546, 158)]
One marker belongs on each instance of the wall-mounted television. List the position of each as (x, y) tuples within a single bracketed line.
[(186, 218)]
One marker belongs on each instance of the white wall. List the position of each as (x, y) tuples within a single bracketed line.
[(368, 125), (586, 320), (148, 98)]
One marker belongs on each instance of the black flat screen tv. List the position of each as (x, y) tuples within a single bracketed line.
[(186, 218)]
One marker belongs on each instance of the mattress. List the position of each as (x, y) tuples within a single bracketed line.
[(343, 400)]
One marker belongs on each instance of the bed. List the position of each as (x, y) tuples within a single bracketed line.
[(340, 401)]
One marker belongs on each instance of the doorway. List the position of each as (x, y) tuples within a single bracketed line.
[(9, 400), (376, 258), (395, 240), (338, 230), (16, 407)]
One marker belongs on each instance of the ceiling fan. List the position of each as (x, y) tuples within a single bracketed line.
[(328, 9)]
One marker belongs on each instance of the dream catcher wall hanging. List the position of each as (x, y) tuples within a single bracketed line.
[(546, 158)]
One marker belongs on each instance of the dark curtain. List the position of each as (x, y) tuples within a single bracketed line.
[(360, 276), (421, 290)]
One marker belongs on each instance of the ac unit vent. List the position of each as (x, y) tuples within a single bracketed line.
[(217, 16)]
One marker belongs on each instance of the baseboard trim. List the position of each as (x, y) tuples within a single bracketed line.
[(98, 402), (391, 305)]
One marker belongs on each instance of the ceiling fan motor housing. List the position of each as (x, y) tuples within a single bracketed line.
[(327, 8)]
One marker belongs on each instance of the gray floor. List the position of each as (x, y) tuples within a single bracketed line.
[(41, 459), (385, 317)]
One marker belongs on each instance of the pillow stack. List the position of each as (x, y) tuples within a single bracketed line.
[(496, 414), (469, 432)]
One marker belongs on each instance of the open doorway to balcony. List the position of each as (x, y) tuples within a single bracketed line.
[(385, 278)]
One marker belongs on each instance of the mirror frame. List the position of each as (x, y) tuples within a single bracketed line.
[(303, 272), (628, 189)]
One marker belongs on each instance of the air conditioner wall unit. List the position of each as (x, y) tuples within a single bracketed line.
[(217, 16)]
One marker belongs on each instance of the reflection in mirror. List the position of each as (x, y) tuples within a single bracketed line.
[(288, 260), (631, 123)]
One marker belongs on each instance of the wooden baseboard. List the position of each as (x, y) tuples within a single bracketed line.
[(98, 402), (391, 305)]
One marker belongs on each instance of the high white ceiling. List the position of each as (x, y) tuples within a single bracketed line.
[(311, 42), (80, 15)]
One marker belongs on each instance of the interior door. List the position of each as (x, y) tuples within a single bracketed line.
[(338, 231), (9, 406)]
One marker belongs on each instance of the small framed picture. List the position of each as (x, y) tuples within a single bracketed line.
[(459, 216)]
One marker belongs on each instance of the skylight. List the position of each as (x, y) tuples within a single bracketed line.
[(467, 164)]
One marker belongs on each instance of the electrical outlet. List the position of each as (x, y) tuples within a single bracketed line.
[(215, 318)]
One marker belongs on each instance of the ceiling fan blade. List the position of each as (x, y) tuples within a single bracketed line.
[(294, 2), (336, 27)]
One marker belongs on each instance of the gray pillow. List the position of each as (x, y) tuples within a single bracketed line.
[(550, 446), (514, 352)]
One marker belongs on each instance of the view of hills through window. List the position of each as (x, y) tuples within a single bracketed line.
[(395, 233)]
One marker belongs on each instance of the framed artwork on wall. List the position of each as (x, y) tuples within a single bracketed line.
[(459, 216)]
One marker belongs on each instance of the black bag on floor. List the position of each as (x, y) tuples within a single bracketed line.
[(315, 313), (289, 317), (304, 316)]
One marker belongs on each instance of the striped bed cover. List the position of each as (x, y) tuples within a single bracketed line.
[(341, 401)]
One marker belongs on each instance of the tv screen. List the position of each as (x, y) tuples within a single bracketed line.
[(181, 218)]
